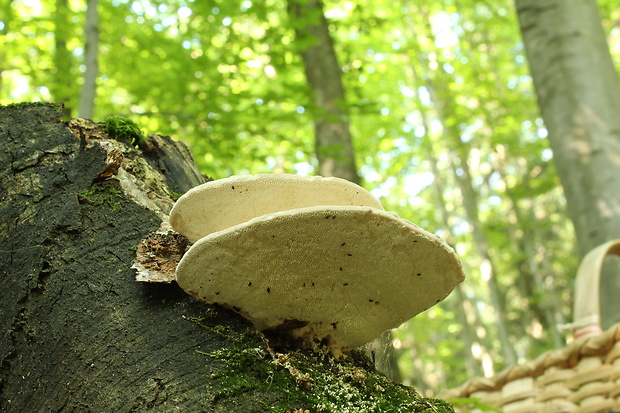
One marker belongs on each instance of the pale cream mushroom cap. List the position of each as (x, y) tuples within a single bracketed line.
[(341, 274), (223, 203)]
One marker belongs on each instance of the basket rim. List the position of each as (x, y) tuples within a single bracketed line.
[(589, 339)]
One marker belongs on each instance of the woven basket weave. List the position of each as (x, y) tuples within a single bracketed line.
[(582, 377)]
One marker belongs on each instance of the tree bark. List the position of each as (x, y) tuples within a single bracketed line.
[(333, 143), (77, 333), (91, 50), (579, 98)]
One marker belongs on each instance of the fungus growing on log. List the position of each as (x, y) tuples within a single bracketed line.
[(317, 257), (221, 204)]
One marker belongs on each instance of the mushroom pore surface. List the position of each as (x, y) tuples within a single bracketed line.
[(343, 274)]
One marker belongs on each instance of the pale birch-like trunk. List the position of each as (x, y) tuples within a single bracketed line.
[(579, 98), (89, 89)]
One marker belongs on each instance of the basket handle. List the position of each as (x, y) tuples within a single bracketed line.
[(586, 312)]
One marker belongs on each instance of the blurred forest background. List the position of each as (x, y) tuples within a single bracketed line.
[(429, 104)]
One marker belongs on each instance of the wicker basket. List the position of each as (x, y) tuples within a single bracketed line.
[(582, 377)]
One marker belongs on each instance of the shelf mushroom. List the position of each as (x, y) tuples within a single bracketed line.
[(318, 257)]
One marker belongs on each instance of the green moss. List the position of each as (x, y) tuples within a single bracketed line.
[(470, 404), (123, 130), (175, 193), (30, 104), (102, 195), (306, 379)]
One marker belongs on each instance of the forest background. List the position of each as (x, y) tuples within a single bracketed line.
[(437, 99)]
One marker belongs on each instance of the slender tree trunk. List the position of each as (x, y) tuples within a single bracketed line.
[(466, 313), (443, 102), (469, 319), (91, 50), (78, 333), (62, 88), (487, 267), (579, 98), (543, 301), (333, 144)]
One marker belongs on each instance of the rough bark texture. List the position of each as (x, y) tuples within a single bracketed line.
[(334, 148), (579, 97), (78, 334)]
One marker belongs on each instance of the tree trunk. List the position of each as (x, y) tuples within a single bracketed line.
[(77, 333), (487, 265), (579, 98), (91, 50), (61, 87), (465, 312), (440, 95), (333, 145), (543, 303)]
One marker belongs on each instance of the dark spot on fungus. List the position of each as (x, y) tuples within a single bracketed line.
[(371, 301), (437, 301), (217, 293), (290, 325), (343, 244), (268, 290), (334, 325), (376, 302), (233, 187), (327, 217), (350, 255), (345, 284), (340, 268), (313, 284), (249, 283), (418, 274)]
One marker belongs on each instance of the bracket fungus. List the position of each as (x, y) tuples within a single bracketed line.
[(316, 257)]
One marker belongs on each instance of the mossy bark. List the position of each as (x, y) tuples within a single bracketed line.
[(78, 334)]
